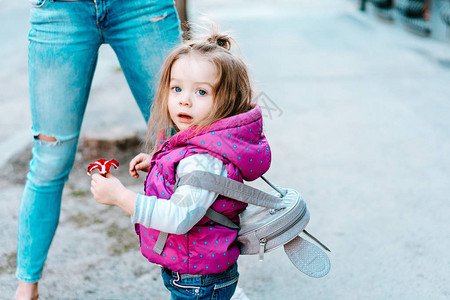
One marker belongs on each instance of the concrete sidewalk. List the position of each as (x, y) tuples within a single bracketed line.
[(357, 115)]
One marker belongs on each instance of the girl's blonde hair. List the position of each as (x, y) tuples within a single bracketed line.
[(232, 91)]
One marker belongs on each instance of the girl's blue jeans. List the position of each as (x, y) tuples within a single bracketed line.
[(220, 286), (63, 49)]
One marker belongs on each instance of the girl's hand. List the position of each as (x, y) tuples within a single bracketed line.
[(109, 190), (140, 162), (106, 190)]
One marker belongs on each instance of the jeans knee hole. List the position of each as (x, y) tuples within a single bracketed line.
[(47, 139), (158, 18)]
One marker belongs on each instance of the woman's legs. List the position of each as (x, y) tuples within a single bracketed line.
[(64, 41), (142, 39), (63, 48)]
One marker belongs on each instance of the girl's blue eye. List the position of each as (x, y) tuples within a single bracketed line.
[(201, 92), (177, 89)]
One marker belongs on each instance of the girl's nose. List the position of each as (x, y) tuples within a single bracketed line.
[(184, 101)]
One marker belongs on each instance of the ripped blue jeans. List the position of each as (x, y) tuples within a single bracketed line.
[(63, 50)]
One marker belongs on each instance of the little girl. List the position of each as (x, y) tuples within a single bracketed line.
[(203, 119)]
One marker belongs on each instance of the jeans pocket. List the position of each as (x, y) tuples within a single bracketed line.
[(38, 3), (225, 290), (184, 290), (178, 289)]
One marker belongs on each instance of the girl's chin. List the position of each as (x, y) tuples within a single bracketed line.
[(183, 126)]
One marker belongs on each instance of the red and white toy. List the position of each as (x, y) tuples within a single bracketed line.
[(103, 166)]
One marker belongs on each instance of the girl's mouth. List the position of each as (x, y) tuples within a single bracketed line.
[(184, 118)]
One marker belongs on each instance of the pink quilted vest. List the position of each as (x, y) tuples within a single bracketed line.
[(208, 247)]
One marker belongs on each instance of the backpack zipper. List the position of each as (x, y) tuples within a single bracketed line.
[(263, 241)]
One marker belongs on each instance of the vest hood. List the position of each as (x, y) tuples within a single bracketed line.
[(238, 139)]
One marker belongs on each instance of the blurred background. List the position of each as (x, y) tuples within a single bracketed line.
[(356, 100)]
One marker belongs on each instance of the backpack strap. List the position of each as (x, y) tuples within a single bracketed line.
[(210, 213), (230, 188), (221, 219), (226, 187), (160, 242)]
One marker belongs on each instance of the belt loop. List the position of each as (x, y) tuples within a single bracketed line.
[(203, 280)]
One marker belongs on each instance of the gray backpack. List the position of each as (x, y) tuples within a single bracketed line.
[(270, 220)]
